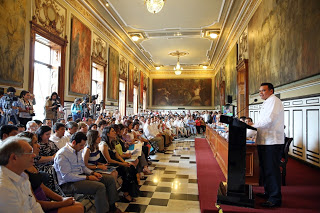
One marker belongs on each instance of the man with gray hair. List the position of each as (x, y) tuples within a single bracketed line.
[(16, 155), (31, 126)]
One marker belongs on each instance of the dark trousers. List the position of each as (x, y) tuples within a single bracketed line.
[(269, 161), (104, 191)]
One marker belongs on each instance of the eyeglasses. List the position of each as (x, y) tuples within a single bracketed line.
[(28, 153)]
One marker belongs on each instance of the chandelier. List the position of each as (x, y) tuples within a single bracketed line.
[(178, 69), (154, 6)]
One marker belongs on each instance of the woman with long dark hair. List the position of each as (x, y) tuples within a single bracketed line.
[(47, 152), (92, 154), (125, 169)]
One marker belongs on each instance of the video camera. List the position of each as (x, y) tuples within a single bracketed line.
[(94, 97), (56, 103), (9, 99)]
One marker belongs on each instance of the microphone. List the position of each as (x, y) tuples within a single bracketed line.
[(255, 100)]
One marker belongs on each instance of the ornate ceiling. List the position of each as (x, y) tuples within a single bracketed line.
[(181, 25)]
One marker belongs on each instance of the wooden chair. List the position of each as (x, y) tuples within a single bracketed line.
[(284, 160)]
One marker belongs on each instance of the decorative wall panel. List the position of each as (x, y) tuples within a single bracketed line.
[(302, 124), (130, 83), (51, 15)]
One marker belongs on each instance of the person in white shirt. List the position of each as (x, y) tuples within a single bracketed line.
[(72, 128), (270, 142), (16, 155), (251, 134), (155, 138), (58, 137)]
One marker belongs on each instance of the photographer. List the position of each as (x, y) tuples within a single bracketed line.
[(85, 107), (9, 107), (76, 109), (95, 108), (26, 108), (51, 107)]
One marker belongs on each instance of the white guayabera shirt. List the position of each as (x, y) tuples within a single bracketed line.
[(15, 193), (271, 122)]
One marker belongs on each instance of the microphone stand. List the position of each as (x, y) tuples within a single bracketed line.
[(255, 100)]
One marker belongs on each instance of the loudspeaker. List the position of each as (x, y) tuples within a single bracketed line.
[(229, 99)]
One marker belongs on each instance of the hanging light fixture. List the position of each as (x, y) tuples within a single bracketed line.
[(178, 69), (154, 6)]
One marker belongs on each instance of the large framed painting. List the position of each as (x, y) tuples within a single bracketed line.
[(12, 28), (130, 82), (141, 88), (80, 49), (113, 75), (281, 51), (182, 92)]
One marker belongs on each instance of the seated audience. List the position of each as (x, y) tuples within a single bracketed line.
[(32, 126), (15, 189), (93, 127), (58, 135), (49, 200), (21, 127), (47, 122), (125, 169), (73, 174), (82, 127), (155, 138), (48, 149), (92, 154), (72, 128), (7, 131)]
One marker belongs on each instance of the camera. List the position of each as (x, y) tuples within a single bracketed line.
[(94, 97), (56, 103)]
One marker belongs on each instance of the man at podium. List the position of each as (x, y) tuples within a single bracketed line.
[(270, 144)]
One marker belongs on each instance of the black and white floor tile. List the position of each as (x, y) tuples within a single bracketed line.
[(173, 186)]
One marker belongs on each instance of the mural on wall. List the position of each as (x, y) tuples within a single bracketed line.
[(113, 75), (181, 92), (80, 49), (283, 42), (130, 84), (231, 73), (12, 28), (141, 88)]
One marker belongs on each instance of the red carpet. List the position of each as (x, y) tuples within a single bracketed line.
[(302, 193)]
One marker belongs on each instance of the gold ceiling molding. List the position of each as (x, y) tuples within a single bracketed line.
[(90, 17), (123, 68), (51, 15), (239, 23), (99, 49)]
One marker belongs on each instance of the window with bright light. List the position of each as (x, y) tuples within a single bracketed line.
[(97, 81)]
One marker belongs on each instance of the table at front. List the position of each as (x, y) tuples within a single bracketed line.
[(219, 147)]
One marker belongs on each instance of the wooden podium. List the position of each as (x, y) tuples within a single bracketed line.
[(236, 192)]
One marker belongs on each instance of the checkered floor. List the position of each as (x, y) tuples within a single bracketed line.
[(173, 185)]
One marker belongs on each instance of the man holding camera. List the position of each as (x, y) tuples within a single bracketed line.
[(9, 107)]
